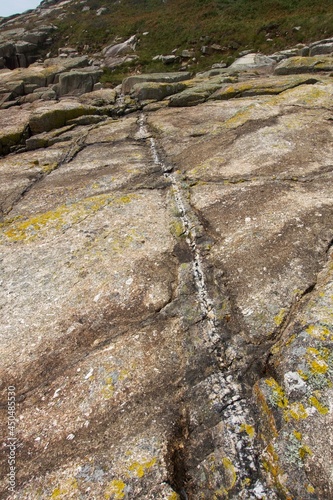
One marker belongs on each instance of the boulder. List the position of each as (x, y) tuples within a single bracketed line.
[(113, 62), (78, 81), (129, 82), (197, 92), (156, 90), (187, 54), (35, 37), (56, 115), (68, 64), (321, 48), (13, 128), (169, 59), (98, 98), (252, 61), (33, 75), (295, 65), (16, 87), (120, 49), (260, 86), (22, 47)]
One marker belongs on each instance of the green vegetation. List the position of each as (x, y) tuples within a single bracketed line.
[(235, 25)]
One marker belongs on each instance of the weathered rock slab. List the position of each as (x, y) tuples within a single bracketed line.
[(130, 81), (295, 65)]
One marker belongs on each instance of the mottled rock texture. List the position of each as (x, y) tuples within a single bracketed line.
[(166, 295)]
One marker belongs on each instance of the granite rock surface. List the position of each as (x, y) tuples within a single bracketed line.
[(166, 291)]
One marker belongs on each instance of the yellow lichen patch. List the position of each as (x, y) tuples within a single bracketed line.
[(295, 411), (270, 461), (115, 490), (291, 340), (173, 496), (49, 167), (108, 389), (69, 486), (319, 332), (221, 492), (230, 471), (249, 429), (309, 488), (303, 375), (177, 228), (278, 319), (140, 468), (304, 451), (279, 396), (318, 366), (323, 410), (29, 229), (63, 215), (239, 118), (298, 435), (317, 359)]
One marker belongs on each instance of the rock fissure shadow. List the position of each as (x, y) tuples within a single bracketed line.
[(176, 457)]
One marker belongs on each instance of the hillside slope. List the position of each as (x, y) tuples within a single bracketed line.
[(175, 25)]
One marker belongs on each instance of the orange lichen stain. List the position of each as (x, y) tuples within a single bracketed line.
[(270, 461), (265, 411), (115, 490), (279, 396), (249, 429), (139, 469), (295, 411), (323, 410)]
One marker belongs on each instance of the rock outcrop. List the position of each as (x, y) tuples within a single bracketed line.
[(166, 282)]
